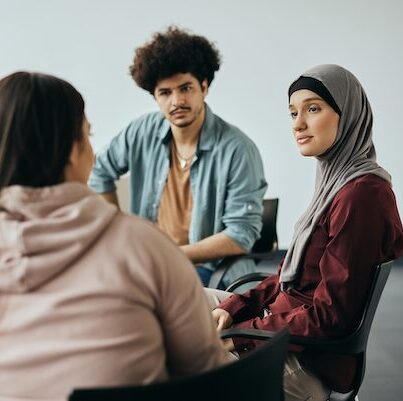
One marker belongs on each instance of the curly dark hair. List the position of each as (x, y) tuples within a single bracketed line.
[(172, 52)]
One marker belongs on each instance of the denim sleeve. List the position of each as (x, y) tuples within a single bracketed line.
[(245, 190), (112, 161)]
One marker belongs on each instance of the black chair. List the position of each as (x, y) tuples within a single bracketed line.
[(353, 344), (263, 249), (255, 377)]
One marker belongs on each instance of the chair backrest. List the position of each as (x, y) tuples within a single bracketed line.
[(356, 342), (257, 376), (263, 246), (268, 236)]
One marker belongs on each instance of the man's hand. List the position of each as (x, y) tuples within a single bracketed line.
[(222, 319)]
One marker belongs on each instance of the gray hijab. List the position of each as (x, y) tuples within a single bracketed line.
[(352, 155)]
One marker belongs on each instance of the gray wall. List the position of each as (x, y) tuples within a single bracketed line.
[(265, 44)]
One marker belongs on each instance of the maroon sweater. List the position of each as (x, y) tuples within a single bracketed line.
[(360, 229)]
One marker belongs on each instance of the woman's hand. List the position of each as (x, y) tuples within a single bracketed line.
[(222, 319)]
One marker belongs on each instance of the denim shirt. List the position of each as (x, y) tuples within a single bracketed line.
[(226, 178)]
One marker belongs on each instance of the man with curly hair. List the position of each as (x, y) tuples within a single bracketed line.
[(197, 177)]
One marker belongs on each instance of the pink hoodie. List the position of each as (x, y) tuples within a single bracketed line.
[(92, 297)]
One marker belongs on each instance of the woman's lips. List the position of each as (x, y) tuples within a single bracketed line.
[(303, 139)]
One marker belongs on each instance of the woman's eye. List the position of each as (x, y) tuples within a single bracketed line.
[(293, 114), (314, 109)]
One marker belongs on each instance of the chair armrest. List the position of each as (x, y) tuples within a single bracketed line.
[(343, 345), (248, 333), (337, 346), (247, 278)]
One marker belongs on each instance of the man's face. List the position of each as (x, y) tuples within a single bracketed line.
[(181, 98)]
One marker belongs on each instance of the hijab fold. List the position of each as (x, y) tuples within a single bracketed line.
[(352, 155)]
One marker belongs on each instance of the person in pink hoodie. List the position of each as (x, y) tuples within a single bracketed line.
[(89, 296)]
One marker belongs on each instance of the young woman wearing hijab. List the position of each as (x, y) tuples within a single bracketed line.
[(89, 296), (351, 225)]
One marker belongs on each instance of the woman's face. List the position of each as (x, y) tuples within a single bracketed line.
[(81, 157), (315, 123)]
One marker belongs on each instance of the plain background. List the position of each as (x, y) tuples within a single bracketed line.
[(265, 45)]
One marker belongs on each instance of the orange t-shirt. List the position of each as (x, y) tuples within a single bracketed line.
[(176, 204)]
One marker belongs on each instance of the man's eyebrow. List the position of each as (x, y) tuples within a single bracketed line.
[(310, 99), (185, 84), (178, 87)]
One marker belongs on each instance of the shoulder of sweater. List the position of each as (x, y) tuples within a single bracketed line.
[(128, 224), (148, 252)]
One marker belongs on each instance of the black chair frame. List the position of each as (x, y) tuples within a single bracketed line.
[(352, 344)]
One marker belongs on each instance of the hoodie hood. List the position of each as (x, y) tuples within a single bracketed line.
[(44, 230)]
